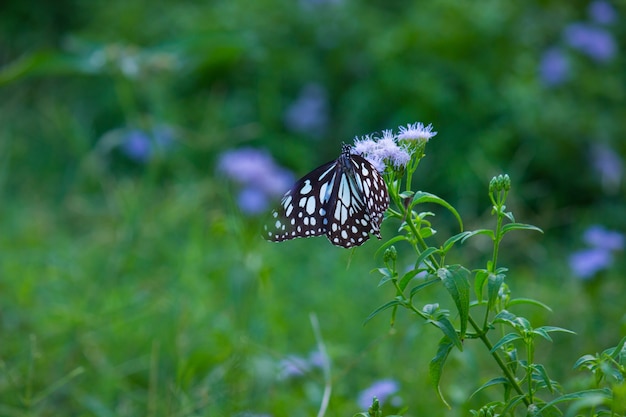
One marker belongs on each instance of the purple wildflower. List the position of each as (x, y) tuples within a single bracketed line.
[(609, 165), (293, 366), (416, 132), (587, 262), (252, 200), (382, 151), (601, 238), (602, 12), (593, 41), (137, 146), (382, 390), (257, 172), (554, 67), (309, 113)]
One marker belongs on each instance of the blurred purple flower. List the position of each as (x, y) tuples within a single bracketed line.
[(140, 145), (382, 390), (252, 200), (601, 238), (317, 359), (602, 12), (587, 262), (293, 366), (137, 146), (309, 112), (554, 67), (593, 41), (258, 174), (609, 165)]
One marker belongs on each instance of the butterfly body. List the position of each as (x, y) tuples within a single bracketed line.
[(344, 199)]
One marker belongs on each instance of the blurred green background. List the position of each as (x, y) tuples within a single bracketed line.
[(133, 277)]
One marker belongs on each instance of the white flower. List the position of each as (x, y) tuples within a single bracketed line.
[(416, 132)]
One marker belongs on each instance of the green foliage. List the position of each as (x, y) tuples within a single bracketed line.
[(140, 287)]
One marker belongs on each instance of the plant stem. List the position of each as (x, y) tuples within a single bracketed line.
[(507, 372)]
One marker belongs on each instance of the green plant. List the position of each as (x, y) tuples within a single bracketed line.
[(485, 312)]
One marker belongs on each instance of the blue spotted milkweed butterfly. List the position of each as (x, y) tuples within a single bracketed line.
[(344, 199)]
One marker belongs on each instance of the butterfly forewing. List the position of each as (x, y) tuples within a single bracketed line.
[(302, 211), (344, 199)]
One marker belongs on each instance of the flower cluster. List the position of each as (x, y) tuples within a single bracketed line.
[(599, 256), (590, 38), (259, 176), (393, 149)]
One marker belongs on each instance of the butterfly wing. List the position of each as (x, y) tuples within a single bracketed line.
[(359, 203), (302, 210)]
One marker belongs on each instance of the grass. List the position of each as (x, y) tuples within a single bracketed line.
[(158, 299)]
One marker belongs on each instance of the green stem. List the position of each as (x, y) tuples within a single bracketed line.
[(507, 372)]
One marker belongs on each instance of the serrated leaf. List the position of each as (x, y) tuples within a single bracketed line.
[(437, 363), (456, 280), (508, 338), (424, 197), (494, 381), (392, 303)]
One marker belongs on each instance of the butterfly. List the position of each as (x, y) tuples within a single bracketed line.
[(344, 199)]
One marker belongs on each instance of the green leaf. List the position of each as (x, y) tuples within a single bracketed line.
[(479, 282), (493, 288), (424, 197), (544, 330), (602, 394), (543, 376), (423, 285), (506, 317), (389, 243), (448, 330), (436, 365), (512, 403), (456, 280), (508, 338), (519, 301), (495, 381), (519, 226), (479, 232), (617, 350), (406, 278), (586, 361), (425, 254), (392, 303), (447, 245)]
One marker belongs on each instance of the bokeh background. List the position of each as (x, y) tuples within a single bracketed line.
[(141, 143)]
